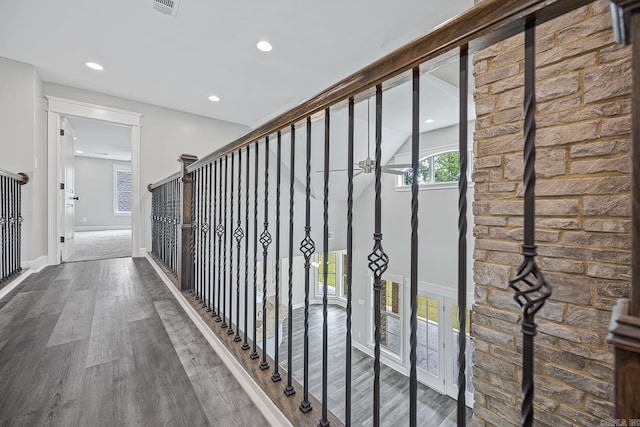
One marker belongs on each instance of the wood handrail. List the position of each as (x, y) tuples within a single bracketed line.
[(163, 181), (482, 25), (22, 177)]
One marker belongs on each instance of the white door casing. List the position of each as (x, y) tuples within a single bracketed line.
[(66, 107)]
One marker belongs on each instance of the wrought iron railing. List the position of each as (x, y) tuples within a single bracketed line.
[(210, 272), (166, 211), (10, 223)]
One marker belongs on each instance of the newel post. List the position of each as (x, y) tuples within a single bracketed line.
[(185, 265), (624, 333)]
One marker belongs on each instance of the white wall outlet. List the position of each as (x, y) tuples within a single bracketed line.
[(332, 235), (360, 301)]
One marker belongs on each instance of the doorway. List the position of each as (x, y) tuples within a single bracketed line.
[(98, 175), (70, 206)]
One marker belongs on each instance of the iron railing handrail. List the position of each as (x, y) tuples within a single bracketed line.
[(23, 178), (484, 24)]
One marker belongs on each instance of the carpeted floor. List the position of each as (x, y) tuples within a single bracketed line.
[(94, 245)]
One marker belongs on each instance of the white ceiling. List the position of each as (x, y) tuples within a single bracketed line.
[(100, 140), (210, 47)]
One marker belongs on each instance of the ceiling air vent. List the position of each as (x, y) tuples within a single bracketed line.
[(166, 7)]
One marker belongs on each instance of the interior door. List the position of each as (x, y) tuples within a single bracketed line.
[(68, 196)]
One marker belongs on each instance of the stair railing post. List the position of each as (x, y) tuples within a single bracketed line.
[(185, 266)]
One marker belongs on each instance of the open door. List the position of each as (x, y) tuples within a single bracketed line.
[(68, 198)]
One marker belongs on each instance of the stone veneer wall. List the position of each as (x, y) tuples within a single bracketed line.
[(583, 210)]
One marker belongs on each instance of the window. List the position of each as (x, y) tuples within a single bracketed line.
[(331, 274), (439, 168), (122, 200), (390, 324)]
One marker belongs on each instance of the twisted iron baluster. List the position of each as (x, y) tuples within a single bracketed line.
[(238, 234), (462, 240), (276, 373), (324, 422), (204, 227), (3, 226), (350, 161), (531, 289), (245, 344), (230, 202), (220, 232), (307, 247), (254, 353), (209, 237), (265, 240), (224, 248), (289, 390), (378, 259), (214, 310), (192, 239)]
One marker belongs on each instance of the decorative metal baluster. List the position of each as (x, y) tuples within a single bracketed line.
[(204, 227), (415, 167), (199, 241), (220, 232), (350, 162), (325, 275), (214, 221), (224, 248), (462, 239), (378, 260), (289, 390), (245, 344), (209, 237), (4, 222), (192, 237), (3, 225), (196, 227), (230, 202), (276, 373), (307, 247), (531, 289), (265, 240), (254, 352), (238, 234), (20, 220)]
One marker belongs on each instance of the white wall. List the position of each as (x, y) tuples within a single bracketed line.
[(165, 135), (23, 124), (94, 189)]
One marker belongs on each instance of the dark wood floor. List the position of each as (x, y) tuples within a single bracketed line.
[(434, 409), (105, 343)]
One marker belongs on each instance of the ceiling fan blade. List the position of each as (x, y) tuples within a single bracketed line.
[(333, 170), (394, 172), (399, 166), (360, 172)]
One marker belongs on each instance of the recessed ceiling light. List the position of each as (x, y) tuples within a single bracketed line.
[(75, 138), (264, 46), (214, 98), (429, 121), (94, 66), (79, 151)]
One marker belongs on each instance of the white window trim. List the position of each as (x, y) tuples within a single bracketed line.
[(116, 169), (424, 154)]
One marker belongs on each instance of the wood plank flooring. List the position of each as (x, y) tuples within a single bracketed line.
[(104, 343), (434, 409)]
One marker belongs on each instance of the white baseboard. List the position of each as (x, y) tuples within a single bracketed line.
[(270, 411), (102, 228), (35, 265), (15, 282)]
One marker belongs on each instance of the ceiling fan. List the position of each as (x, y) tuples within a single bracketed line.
[(368, 165)]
